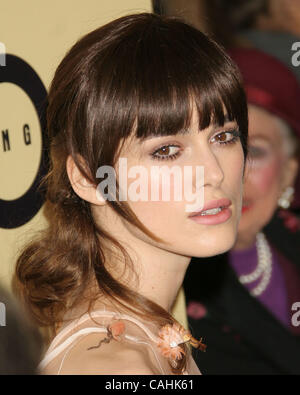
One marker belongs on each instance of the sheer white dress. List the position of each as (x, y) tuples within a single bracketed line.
[(79, 342)]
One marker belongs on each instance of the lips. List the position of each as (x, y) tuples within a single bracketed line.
[(213, 204), (246, 206)]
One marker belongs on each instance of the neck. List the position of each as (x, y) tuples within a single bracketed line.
[(244, 242), (159, 272), (161, 275)]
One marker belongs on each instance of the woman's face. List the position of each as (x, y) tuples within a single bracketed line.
[(219, 151), (269, 171)]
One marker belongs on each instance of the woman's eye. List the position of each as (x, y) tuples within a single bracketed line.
[(166, 152), (226, 137)]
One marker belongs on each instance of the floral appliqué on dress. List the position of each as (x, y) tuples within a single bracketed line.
[(172, 337), (114, 331), (169, 342)]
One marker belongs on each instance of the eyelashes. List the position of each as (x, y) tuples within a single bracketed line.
[(172, 151), (163, 153), (233, 135)]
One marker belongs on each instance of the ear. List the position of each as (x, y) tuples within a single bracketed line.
[(290, 173), (81, 186)]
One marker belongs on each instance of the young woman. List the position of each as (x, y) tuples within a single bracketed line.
[(149, 91)]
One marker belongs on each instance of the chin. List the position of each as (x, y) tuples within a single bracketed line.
[(215, 246)]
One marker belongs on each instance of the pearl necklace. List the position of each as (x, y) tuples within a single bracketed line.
[(263, 269)]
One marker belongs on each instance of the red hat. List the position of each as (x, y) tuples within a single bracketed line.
[(271, 85)]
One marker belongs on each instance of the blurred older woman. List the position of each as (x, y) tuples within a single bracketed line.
[(244, 303)]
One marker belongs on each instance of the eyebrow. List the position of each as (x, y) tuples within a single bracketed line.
[(259, 137), (187, 131)]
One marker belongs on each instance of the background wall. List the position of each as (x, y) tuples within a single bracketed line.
[(35, 35)]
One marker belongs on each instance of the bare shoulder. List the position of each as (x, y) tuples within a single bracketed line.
[(114, 357)]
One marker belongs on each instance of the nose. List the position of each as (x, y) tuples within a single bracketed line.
[(213, 172)]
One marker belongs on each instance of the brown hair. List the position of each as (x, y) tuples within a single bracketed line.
[(137, 75)]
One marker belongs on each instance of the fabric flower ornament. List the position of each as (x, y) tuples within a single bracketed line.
[(115, 330), (170, 338)]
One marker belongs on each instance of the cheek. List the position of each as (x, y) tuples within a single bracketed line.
[(233, 169), (262, 190), (159, 190), (264, 179)]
